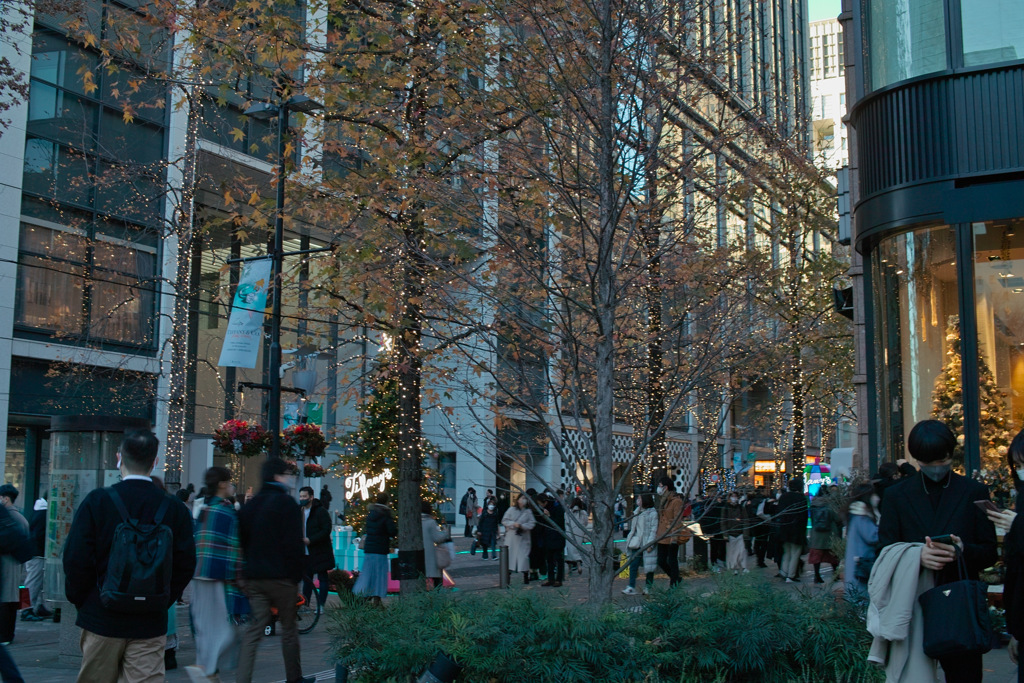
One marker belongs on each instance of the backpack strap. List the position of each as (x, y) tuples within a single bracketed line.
[(118, 503)]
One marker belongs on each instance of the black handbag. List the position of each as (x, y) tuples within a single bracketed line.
[(956, 619)]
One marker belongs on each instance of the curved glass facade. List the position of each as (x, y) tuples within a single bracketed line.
[(926, 302)]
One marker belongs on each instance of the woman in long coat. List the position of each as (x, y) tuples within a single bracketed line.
[(380, 529), (518, 521), (432, 535)]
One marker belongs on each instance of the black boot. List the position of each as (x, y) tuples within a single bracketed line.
[(170, 660), (526, 578), (817, 574)]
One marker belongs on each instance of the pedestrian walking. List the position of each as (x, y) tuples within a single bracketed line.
[(1013, 555), (640, 543), (380, 529), (735, 527), (316, 527), (218, 565), (326, 499), (467, 508), (10, 571), (519, 522), (825, 531), (124, 632), (576, 528), (487, 529), (769, 512), (759, 526), (432, 536), (270, 534), (861, 541), (553, 529), (934, 502), (671, 529), (792, 517), (16, 544), (35, 567)]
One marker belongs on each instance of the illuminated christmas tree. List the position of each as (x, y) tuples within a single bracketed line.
[(947, 406), (370, 463)]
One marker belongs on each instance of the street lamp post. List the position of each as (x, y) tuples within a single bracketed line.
[(267, 110)]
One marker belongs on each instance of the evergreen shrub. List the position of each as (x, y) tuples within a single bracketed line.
[(735, 630)]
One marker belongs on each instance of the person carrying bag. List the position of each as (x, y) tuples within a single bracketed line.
[(956, 618)]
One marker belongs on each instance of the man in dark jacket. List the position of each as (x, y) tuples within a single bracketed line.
[(317, 537), (116, 642), (553, 529), (15, 543), (934, 502), (792, 518), (270, 532)]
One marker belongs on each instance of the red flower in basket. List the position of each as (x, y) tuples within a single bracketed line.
[(303, 441), (311, 470), (238, 437)]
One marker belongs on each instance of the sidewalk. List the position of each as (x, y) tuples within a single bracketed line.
[(35, 645)]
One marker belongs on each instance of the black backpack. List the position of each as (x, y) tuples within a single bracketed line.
[(821, 519), (139, 567)]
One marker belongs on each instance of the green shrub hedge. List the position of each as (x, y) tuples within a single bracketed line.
[(733, 631)]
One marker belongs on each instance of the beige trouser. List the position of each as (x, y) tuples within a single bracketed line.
[(132, 660)]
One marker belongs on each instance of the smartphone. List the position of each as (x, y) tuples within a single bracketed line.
[(944, 538), (987, 505)]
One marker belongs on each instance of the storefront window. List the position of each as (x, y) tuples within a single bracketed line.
[(907, 38), (999, 291), (916, 330), (993, 31)]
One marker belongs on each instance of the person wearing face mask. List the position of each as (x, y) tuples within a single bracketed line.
[(861, 541), (1013, 555), (735, 527), (671, 530), (519, 522), (576, 528), (487, 527), (319, 552), (939, 501)]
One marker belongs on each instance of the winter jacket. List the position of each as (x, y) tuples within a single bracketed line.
[(792, 518), (270, 531), (432, 535), (380, 529), (553, 525), (670, 520), (643, 529), (823, 540), (861, 543), (519, 544), (488, 528), (895, 618), (318, 531), (734, 521)]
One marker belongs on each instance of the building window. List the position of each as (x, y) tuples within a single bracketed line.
[(999, 306), (993, 31), (81, 285), (907, 39), (914, 281)]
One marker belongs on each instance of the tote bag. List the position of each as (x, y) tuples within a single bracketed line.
[(956, 619)]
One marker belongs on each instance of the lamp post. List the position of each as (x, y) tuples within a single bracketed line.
[(267, 110)]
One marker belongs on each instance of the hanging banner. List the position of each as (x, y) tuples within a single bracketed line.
[(245, 326)]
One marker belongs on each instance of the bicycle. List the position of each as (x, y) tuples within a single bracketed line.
[(306, 616)]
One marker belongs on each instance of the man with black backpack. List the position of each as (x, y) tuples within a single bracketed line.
[(127, 559)]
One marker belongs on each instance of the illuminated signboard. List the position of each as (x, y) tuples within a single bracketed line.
[(767, 466), (363, 485)]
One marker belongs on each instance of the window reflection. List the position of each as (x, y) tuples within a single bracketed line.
[(916, 329), (993, 31), (908, 39)]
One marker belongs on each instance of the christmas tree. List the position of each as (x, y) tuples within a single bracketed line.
[(947, 406), (370, 464)]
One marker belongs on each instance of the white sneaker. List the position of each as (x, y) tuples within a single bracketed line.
[(629, 590)]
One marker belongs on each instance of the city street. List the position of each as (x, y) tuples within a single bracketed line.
[(35, 645)]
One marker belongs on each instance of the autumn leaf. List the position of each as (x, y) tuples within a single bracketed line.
[(237, 134)]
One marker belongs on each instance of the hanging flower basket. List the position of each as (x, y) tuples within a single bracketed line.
[(303, 441), (292, 467), (312, 471), (238, 437)]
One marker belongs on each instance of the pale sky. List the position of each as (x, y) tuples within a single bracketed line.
[(823, 9)]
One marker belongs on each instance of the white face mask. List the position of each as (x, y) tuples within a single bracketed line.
[(1020, 473)]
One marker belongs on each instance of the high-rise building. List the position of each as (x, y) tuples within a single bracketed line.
[(828, 94), (89, 197)]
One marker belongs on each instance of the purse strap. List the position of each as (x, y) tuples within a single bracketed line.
[(961, 562)]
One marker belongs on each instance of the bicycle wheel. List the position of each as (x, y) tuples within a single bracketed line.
[(309, 613)]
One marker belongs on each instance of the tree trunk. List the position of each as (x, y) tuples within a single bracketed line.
[(796, 388), (182, 288), (602, 573)]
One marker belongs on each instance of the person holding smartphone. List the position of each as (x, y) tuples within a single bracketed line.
[(1013, 555), (935, 503)]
